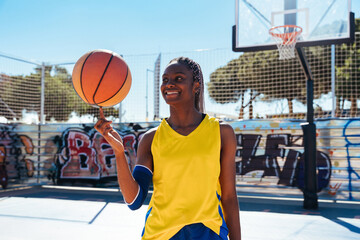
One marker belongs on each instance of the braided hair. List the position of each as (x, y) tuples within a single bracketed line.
[(197, 77)]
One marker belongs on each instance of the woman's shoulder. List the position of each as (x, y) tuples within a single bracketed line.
[(224, 126), (149, 135), (226, 129)]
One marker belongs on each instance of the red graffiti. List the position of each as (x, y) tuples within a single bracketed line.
[(3, 173), (14, 152), (105, 154), (89, 156), (79, 157), (333, 189), (129, 142)]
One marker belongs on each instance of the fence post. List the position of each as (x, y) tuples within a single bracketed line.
[(120, 113), (333, 97), (42, 117), (42, 97)]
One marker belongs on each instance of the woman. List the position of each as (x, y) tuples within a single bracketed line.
[(190, 158)]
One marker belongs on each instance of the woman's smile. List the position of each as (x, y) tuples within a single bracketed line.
[(171, 92)]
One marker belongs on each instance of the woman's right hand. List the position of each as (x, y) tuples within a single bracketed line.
[(104, 127)]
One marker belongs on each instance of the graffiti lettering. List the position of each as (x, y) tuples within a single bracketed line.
[(129, 141), (105, 154), (291, 173), (351, 142), (14, 164), (87, 155), (78, 157), (29, 149), (81, 153), (3, 172)]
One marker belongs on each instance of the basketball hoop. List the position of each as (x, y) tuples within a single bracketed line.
[(285, 38)]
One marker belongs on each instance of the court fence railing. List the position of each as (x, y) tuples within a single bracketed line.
[(262, 98)]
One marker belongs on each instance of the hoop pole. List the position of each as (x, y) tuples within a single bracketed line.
[(309, 130)]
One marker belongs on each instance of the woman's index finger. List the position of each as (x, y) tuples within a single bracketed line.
[(101, 113)]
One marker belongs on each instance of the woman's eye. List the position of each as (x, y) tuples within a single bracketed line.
[(179, 78), (165, 80)]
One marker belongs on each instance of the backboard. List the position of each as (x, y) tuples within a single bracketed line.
[(322, 21)]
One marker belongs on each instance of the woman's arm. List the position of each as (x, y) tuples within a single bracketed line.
[(227, 181), (128, 185)]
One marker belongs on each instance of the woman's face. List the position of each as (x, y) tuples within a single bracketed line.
[(178, 85)]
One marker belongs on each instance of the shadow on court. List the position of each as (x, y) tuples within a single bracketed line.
[(105, 210), (332, 211)]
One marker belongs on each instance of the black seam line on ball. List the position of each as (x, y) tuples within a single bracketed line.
[(81, 73), (127, 72), (102, 78)]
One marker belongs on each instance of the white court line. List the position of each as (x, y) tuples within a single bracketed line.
[(239, 196)]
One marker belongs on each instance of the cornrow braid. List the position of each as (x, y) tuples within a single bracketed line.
[(197, 77)]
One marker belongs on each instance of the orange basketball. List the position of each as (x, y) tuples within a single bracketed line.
[(101, 78)]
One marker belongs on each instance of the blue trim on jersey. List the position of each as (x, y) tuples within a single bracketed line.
[(196, 231), (218, 196), (146, 217), (143, 177), (224, 231)]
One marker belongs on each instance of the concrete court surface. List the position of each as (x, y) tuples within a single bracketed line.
[(49, 212)]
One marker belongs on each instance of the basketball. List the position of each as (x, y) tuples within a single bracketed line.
[(101, 78)]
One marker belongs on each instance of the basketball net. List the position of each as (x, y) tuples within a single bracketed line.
[(285, 38)]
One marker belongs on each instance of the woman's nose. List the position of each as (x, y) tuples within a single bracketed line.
[(170, 83)]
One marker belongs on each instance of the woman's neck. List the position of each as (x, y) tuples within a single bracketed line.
[(184, 117)]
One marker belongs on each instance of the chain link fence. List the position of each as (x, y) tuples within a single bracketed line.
[(237, 86)]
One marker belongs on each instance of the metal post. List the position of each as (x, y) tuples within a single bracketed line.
[(146, 96), (309, 130), (39, 152), (42, 96), (157, 88), (333, 97), (42, 118), (120, 112)]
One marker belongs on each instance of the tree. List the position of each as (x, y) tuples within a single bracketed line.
[(18, 93), (347, 74), (269, 79), (225, 85), (61, 99), (24, 92), (231, 82), (266, 78), (348, 81)]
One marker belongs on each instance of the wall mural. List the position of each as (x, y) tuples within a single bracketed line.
[(291, 173), (14, 150), (269, 154)]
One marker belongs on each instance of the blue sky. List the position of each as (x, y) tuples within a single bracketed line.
[(63, 30), (57, 31)]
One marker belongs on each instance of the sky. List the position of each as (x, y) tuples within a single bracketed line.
[(60, 31)]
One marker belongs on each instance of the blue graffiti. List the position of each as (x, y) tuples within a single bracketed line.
[(348, 145)]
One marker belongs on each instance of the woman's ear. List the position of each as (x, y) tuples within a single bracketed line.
[(196, 87)]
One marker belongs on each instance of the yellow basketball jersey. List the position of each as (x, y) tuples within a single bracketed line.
[(186, 180)]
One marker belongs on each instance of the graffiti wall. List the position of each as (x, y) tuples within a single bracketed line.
[(269, 158)]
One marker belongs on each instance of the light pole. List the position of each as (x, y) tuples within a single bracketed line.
[(146, 96)]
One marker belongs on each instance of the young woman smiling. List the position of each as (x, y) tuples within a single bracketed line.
[(189, 157)]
